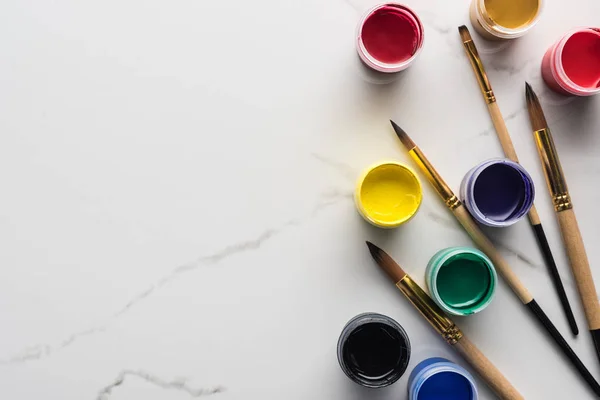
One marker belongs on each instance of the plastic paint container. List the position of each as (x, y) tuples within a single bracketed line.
[(461, 280), (439, 379), (373, 350), (389, 37), (572, 65), (497, 192), (388, 194), (504, 19)]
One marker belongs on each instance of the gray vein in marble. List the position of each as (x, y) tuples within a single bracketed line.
[(443, 221), (344, 169), (175, 384), (507, 118), (441, 29), (78, 335), (508, 68), (451, 224), (353, 6), (431, 19), (34, 352), (39, 351), (448, 223), (519, 255), (449, 32)]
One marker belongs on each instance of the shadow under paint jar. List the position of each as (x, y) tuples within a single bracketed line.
[(498, 192), (438, 379), (461, 280), (373, 350)]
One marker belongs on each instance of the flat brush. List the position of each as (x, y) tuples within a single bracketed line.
[(459, 211), (563, 206), (510, 152), (444, 326)]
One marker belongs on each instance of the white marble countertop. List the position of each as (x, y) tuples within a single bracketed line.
[(176, 213)]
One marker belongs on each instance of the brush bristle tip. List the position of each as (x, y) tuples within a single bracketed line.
[(464, 33), (374, 250), (403, 136)]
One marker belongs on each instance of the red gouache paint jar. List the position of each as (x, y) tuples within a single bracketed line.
[(572, 65), (389, 37)]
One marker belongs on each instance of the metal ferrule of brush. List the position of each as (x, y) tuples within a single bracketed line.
[(435, 179), (553, 170), (482, 79), (430, 310)]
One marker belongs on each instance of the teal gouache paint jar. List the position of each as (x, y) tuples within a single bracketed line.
[(461, 280)]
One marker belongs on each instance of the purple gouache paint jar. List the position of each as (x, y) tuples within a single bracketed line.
[(497, 192)]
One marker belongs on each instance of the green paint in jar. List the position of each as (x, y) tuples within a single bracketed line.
[(461, 280)]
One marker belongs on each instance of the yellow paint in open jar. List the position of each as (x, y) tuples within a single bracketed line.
[(504, 19), (388, 194)]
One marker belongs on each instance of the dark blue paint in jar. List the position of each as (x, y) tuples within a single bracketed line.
[(497, 192), (440, 379)]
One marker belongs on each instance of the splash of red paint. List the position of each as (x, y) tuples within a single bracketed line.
[(390, 35), (581, 58)]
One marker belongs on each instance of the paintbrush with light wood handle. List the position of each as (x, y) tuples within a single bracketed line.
[(571, 235), (444, 326), (485, 245), (511, 153)]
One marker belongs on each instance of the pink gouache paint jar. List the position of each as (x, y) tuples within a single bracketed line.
[(572, 65), (389, 37)]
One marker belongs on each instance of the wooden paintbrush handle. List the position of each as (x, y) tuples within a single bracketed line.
[(580, 266), (534, 217), (502, 131), (488, 248), (484, 367)]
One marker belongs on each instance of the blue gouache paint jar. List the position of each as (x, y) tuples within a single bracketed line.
[(440, 379), (498, 192)]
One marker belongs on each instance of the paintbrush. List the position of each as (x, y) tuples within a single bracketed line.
[(443, 325), (509, 152), (459, 211), (566, 216)]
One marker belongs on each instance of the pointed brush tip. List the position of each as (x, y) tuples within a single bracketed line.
[(372, 248), (536, 114), (385, 262), (403, 136), (399, 131)]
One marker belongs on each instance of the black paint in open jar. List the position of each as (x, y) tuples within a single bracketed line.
[(373, 350)]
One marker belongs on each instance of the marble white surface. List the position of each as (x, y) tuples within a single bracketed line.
[(176, 213)]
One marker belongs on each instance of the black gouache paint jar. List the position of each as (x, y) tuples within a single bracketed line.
[(373, 350)]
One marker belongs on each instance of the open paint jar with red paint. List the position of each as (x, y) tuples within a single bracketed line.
[(389, 37), (572, 65)]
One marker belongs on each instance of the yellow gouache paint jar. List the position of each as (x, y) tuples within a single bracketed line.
[(504, 19), (388, 194)]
